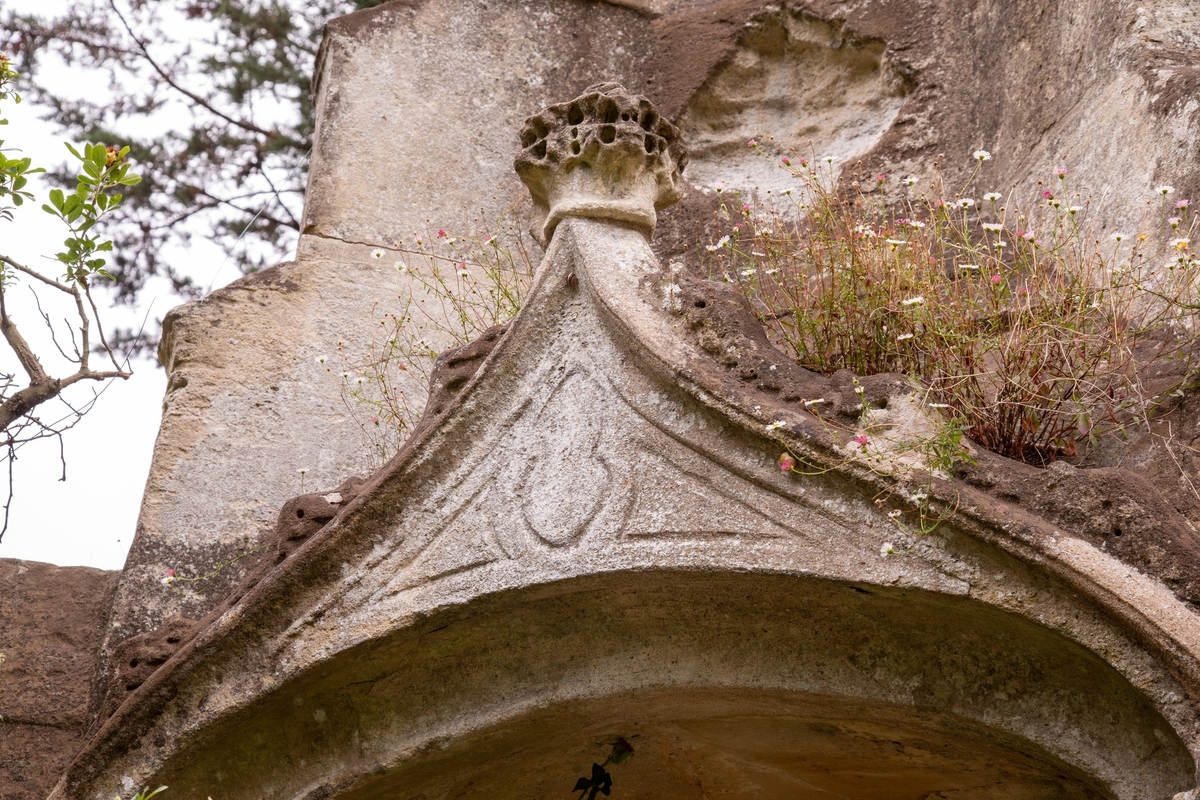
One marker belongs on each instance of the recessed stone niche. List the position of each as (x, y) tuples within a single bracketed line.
[(796, 84)]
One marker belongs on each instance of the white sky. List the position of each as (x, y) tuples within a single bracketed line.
[(90, 518)]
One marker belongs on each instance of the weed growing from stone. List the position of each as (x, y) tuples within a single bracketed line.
[(144, 794), (1028, 332), (454, 289)]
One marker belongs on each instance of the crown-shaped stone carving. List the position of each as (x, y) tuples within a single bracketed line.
[(606, 154)]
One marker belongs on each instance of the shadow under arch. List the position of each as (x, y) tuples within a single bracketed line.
[(733, 684)]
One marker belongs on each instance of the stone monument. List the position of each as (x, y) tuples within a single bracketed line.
[(585, 542), (589, 560)]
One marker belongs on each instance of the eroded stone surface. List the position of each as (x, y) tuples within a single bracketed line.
[(598, 514), (606, 154), (51, 623), (795, 84), (471, 513), (420, 105)]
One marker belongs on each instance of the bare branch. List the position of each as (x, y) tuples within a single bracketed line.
[(195, 98), (62, 287), (24, 353)]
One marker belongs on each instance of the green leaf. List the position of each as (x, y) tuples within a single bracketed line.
[(74, 152), (56, 198)]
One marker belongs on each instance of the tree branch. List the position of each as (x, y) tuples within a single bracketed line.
[(195, 98)]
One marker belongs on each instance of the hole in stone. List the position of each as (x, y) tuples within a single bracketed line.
[(608, 134), (701, 304), (648, 120), (1106, 504), (650, 144), (129, 687), (539, 150), (882, 403), (539, 127), (1116, 531), (574, 114), (574, 133), (133, 663), (300, 513), (575, 148), (625, 118), (607, 110), (528, 137), (172, 640)]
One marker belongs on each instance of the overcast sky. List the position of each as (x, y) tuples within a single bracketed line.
[(90, 518)]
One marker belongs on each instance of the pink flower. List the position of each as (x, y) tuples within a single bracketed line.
[(996, 279), (881, 177), (787, 162), (441, 234), (745, 208), (786, 463), (752, 143), (1048, 195), (1061, 172), (1182, 204), (804, 162), (170, 573), (862, 440), (375, 420)]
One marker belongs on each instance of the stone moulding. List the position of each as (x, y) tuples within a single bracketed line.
[(593, 537)]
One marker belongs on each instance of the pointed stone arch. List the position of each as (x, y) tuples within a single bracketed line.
[(593, 538)]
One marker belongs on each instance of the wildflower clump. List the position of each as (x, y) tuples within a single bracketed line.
[(451, 289), (1026, 327)]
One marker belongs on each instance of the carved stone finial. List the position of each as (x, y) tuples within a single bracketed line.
[(606, 154)]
